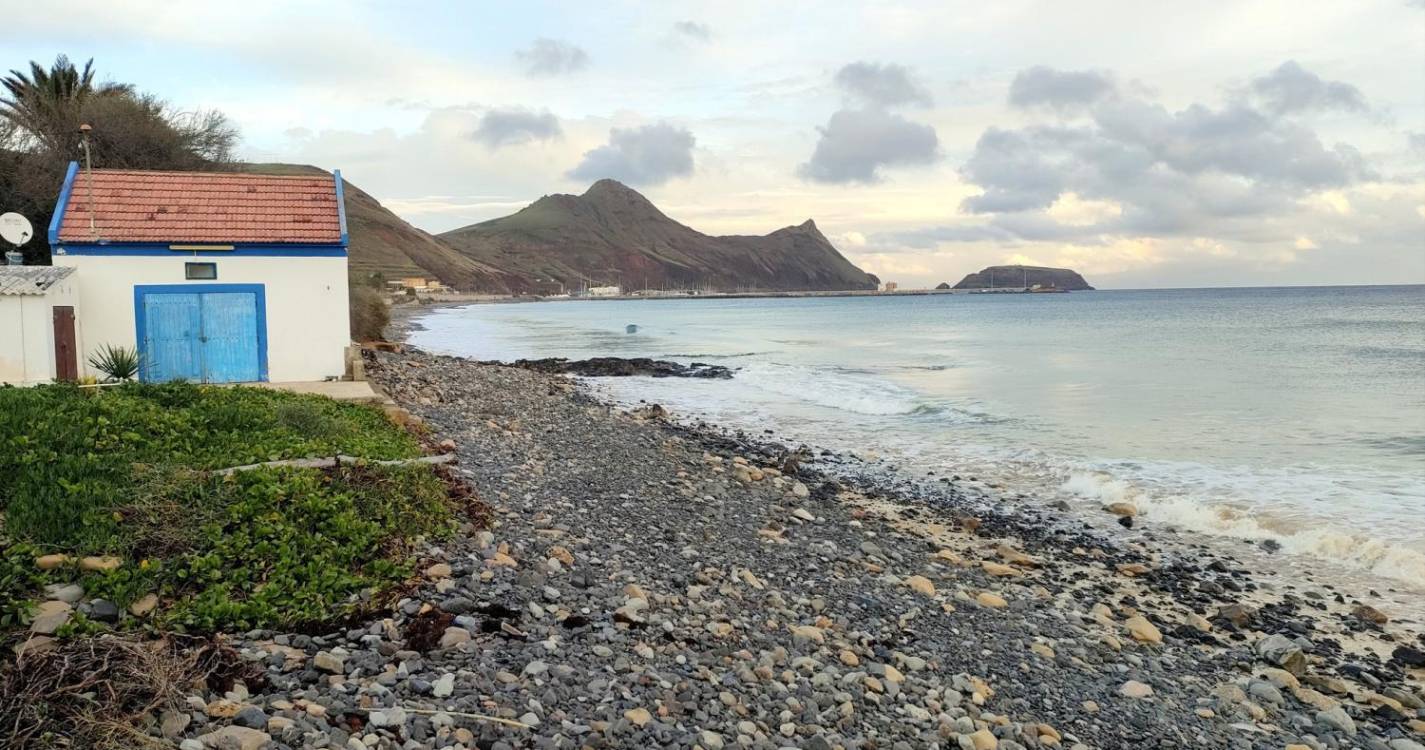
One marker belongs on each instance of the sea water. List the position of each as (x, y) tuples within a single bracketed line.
[(1287, 419)]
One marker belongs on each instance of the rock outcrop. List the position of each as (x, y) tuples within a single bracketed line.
[(1019, 277)]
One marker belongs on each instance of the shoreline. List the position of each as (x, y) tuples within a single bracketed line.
[(1215, 647), (1265, 543), (1212, 626)]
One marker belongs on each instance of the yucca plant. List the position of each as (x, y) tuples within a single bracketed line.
[(118, 363)]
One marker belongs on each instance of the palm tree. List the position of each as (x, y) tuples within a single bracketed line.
[(45, 105)]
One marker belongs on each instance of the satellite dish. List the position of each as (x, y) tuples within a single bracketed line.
[(15, 229)]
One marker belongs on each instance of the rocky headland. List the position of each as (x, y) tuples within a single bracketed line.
[(646, 583), (1020, 277)]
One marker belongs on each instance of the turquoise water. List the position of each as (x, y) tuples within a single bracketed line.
[(1292, 414)]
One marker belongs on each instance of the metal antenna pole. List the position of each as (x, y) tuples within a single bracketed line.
[(89, 171)]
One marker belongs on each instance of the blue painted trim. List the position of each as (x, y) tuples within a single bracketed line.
[(340, 202), (63, 203), (259, 290), (250, 251)]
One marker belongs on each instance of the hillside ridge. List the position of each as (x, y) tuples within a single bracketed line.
[(613, 235)]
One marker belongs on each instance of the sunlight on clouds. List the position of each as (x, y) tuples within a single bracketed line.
[(1022, 260), (1071, 210), (890, 265), (463, 206), (1127, 254), (1212, 247), (1331, 200), (1305, 243)]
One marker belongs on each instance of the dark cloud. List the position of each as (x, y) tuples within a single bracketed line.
[(506, 127), (1059, 89), (648, 155), (857, 143), (552, 57), (1291, 88), (1199, 170), (693, 30), (881, 85)]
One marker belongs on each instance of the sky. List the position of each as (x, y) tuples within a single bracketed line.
[(1238, 143)]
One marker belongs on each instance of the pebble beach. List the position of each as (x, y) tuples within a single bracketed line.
[(646, 582)]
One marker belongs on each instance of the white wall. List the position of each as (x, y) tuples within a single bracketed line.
[(27, 333), (308, 323)]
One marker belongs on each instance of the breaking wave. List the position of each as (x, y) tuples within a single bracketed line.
[(855, 390), (1200, 505)]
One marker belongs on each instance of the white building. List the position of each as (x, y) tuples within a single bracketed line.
[(213, 277), (38, 338), (604, 291)]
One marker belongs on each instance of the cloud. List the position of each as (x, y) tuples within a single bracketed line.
[(1040, 86), (864, 137), (1291, 88), (552, 57), (507, 127), (647, 155), (1163, 172), (857, 143), (881, 85), (1107, 179), (693, 30)]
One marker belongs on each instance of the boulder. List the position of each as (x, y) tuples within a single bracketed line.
[(235, 738), (1281, 651)]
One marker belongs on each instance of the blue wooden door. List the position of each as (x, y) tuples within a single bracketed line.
[(212, 334), (173, 326), (229, 340)]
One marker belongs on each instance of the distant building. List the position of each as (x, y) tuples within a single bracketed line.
[(891, 286), (604, 291)]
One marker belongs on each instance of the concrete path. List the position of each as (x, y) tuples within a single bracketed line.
[(341, 390)]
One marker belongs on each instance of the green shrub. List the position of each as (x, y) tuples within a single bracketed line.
[(369, 314), (118, 363)]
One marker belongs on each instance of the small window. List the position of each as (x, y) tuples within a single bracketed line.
[(200, 271)]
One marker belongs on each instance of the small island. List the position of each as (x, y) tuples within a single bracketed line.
[(1025, 277)]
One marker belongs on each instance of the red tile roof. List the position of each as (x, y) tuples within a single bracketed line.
[(202, 207)]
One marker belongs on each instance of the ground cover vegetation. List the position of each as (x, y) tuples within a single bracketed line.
[(124, 476)]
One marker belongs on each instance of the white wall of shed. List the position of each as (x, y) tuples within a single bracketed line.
[(27, 333), (308, 318)]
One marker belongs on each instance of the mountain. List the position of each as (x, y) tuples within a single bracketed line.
[(612, 235), (382, 242), (1022, 276)]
